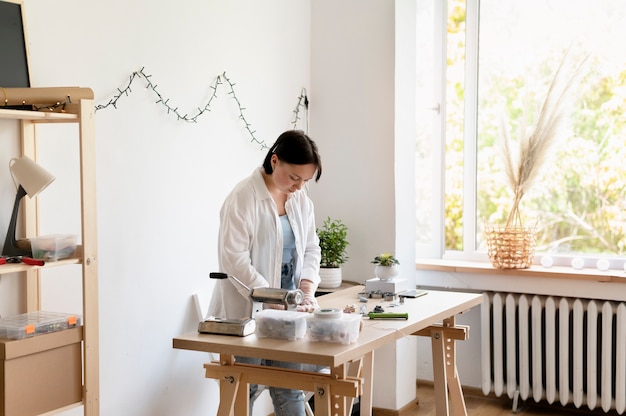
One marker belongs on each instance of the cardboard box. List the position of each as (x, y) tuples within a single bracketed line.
[(41, 374)]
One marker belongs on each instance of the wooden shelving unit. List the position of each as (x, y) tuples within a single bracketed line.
[(58, 370)]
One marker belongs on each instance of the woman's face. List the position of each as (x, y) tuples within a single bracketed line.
[(288, 177)]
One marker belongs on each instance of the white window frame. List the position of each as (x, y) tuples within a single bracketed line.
[(469, 251), (437, 246)]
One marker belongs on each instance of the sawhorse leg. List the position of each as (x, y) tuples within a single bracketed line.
[(447, 385), (332, 389), (233, 399), (330, 405), (365, 403)]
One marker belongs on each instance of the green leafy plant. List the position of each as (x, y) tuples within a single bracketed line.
[(385, 259), (333, 242)]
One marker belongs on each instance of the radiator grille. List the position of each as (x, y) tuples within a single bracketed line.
[(557, 349)]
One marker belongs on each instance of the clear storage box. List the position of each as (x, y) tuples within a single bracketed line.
[(332, 325), (36, 323), (53, 247), (274, 323)]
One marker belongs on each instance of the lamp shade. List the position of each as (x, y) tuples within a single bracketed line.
[(32, 177)]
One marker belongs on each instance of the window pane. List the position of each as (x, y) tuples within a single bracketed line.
[(455, 96), (424, 152), (578, 201)]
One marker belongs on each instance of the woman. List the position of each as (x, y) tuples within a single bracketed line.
[(267, 238)]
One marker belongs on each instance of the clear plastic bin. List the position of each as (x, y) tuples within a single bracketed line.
[(274, 323), (334, 326), (53, 247)]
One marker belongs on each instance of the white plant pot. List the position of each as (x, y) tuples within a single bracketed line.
[(386, 272), (330, 278)]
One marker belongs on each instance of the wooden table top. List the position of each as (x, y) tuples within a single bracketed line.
[(423, 311)]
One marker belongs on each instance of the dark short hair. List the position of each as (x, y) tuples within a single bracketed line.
[(295, 147)]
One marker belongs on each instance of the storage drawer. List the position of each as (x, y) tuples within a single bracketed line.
[(41, 373)]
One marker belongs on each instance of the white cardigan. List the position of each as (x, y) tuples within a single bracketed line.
[(250, 244)]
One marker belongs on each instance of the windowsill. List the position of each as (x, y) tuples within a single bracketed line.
[(558, 272)]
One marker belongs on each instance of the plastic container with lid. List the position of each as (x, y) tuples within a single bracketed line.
[(53, 247), (333, 325), (35, 323), (274, 323)]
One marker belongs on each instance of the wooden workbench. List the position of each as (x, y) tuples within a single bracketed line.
[(350, 365)]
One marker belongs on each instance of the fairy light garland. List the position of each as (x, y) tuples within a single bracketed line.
[(52, 107), (303, 103)]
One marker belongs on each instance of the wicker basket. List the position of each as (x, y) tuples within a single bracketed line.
[(510, 247)]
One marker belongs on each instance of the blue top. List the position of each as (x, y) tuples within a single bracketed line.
[(289, 245)]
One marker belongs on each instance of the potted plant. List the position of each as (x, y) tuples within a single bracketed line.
[(386, 266), (333, 242)]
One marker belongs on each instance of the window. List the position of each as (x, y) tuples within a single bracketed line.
[(499, 58)]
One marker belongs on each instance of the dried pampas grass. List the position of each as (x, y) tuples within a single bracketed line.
[(535, 148)]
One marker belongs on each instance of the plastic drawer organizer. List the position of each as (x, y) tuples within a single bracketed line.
[(36, 323)]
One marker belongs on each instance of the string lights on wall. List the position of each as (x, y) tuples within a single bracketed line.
[(303, 103)]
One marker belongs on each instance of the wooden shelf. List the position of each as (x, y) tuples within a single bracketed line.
[(21, 267), (47, 116), (51, 372)]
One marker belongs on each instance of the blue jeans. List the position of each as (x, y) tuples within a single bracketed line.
[(287, 402)]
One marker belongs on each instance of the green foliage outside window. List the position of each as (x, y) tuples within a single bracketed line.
[(580, 205)]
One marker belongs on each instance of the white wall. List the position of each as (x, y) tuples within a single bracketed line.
[(160, 181), (355, 75), (352, 118)]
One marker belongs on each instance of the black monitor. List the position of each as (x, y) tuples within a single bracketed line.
[(14, 71)]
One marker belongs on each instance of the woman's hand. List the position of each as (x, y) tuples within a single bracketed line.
[(309, 303)]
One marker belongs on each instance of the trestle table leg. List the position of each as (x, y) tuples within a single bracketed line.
[(447, 385)]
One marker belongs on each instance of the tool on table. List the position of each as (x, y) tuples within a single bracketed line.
[(388, 315), (258, 295), (412, 293), (21, 259), (379, 313)]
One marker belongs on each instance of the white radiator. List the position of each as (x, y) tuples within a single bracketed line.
[(561, 350)]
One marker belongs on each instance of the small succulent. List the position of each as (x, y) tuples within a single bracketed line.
[(385, 259)]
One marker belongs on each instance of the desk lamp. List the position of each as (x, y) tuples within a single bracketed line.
[(30, 178)]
